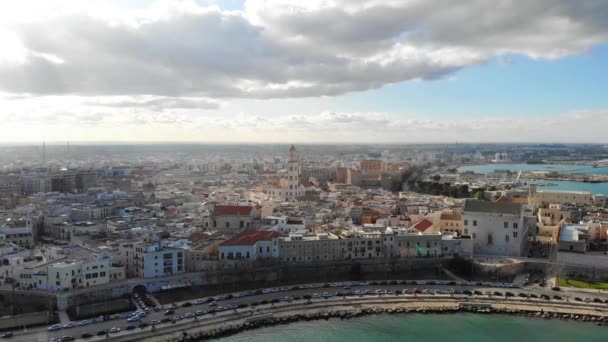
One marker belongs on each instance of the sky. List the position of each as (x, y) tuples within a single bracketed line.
[(315, 71)]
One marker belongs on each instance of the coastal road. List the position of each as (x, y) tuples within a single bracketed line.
[(373, 289)]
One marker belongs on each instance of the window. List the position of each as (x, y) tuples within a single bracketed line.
[(515, 234), (506, 224), (227, 224), (506, 238), (474, 223), (490, 239), (466, 222), (515, 225)]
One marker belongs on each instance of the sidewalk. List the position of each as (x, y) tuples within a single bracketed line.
[(452, 275), (63, 317)]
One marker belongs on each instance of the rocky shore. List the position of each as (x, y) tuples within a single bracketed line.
[(231, 329)]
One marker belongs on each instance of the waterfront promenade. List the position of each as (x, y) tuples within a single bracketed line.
[(282, 305)]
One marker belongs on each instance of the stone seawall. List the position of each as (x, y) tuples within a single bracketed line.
[(233, 280), (264, 275), (232, 329), (235, 323)]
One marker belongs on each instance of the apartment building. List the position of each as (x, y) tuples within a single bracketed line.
[(250, 245), (66, 274), (150, 260)]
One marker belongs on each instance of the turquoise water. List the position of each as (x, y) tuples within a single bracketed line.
[(435, 327), (596, 188), (583, 169)]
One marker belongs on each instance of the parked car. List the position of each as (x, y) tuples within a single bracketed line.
[(70, 325), (54, 327)]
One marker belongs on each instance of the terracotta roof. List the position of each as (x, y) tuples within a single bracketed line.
[(450, 216), (520, 200), (250, 237), (423, 225), (231, 210), (197, 236)]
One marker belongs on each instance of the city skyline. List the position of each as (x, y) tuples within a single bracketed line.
[(324, 72)]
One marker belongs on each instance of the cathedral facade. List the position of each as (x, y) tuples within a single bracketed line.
[(289, 188)]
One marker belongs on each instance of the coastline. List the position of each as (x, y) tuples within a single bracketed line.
[(324, 310)]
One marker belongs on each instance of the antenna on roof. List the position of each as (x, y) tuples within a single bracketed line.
[(43, 151)]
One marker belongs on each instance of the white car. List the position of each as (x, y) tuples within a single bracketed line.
[(82, 323), (70, 325), (55, 327), (114, 330)]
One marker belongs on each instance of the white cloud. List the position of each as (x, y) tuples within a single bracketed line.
[(55, 117), (276, 48), (178, 66)]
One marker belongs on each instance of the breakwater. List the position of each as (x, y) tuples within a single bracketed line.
[(529, 310)]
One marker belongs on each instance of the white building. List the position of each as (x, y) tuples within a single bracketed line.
[(574, 238), (23, 237), (66, 274), (283, 224), (151, 260), (250, 245), (501, 158), (496, 228)]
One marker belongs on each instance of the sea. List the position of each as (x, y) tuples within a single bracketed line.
[(595, 188), (463, 327)]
